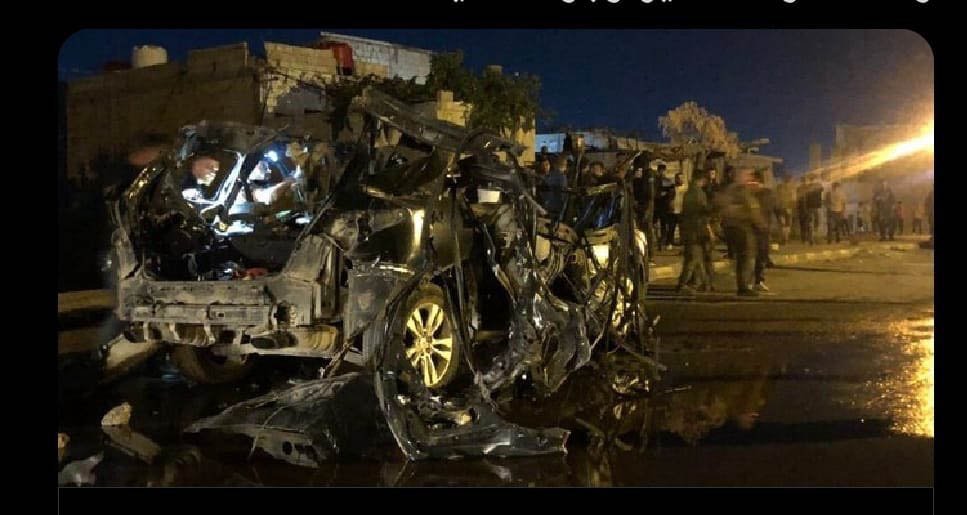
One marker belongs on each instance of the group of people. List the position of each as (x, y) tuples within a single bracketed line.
[(739, 210), (883, 215)]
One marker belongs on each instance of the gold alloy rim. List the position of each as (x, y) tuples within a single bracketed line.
[(429, 342)]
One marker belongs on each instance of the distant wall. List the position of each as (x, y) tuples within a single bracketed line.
[(106, 112), (381, 57)]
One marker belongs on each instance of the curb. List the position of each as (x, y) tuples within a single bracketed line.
[(673, 271)]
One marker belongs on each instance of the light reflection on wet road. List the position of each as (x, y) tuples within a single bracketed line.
[(913, 390)]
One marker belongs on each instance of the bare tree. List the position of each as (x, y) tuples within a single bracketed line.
[(692, 125)]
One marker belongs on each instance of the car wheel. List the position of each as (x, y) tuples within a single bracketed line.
[(428, 341), (425, 325), (203, 366)]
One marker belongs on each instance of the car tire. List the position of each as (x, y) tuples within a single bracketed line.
[(202, 366), (425, 324)]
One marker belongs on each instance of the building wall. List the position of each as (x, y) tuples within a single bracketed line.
[(106, 112), (446, 109), (291, 91), (382, 57), (553, 141)]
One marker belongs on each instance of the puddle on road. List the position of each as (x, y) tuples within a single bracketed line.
[(910, 394), (714, 404)]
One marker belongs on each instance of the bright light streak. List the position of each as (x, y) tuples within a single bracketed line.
[(853, 165)]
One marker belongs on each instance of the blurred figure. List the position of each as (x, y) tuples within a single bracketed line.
[(766, 200), (928, 207), (644, 184), (898, 216), (837, 214), (729, 179), (541, 169), (599, 209), (883, 204), (785, 206), (597, 174), (552, 191), (741, 218), (712, 184), (805, 215), (864, 218), (663, 199), (814, 203), (204, 170), (919, 214), (712, 187), (695, 235), (676, 201)]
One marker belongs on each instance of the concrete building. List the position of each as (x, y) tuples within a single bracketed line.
[(386, 59), (106, 113)]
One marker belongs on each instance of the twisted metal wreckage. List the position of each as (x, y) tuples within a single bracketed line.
[(428, 260)]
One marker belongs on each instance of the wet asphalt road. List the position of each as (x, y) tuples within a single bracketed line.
[(827, 381)]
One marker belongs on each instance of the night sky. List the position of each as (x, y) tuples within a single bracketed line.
[(787, 85)]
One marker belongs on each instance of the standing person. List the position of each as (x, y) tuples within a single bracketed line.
[(729, 180), (898, 216), (663, 198), (741, 217), (597, 209), (712, 188), (805, 218), (918, 215), (785, 206), (766, 200), (814, 203), (643, 185), (883, 202), (837, 214), (542, 168), (928, 207), (864, 218), (676, 201), (553, 190), (695, 234), (712, 184)]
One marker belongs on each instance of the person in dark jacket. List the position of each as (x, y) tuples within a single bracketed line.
[(712, 187), (644, 184), (599, 209), (883, 204), (694, 227), (741, 218), (805, 215), (729, 179), (552, 191), (663, 202), (814, 203), (766, 199)]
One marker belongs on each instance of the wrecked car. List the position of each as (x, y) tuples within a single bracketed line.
[(419, 251)]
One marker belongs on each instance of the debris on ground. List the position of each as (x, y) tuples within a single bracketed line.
[(309, 423), (118, 416), (115, 425), (122, 356), (80, 472)]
